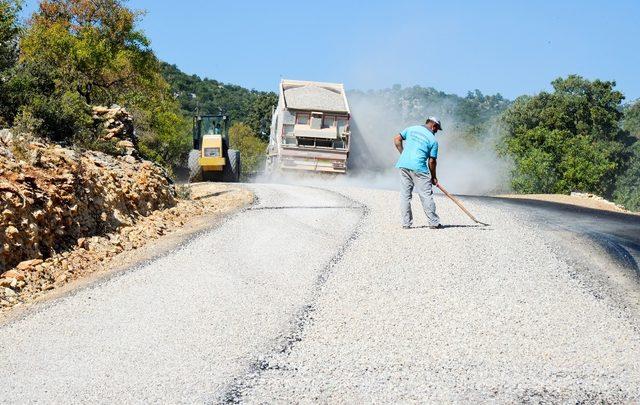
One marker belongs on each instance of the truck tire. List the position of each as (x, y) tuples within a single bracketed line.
[(232, 168), (195, 170)]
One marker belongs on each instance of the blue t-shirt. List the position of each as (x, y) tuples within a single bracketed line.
[(420, 144)]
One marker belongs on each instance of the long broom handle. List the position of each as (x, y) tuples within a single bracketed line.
[(459, 204)]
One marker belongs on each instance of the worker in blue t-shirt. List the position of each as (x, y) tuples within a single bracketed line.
[(418, 149)]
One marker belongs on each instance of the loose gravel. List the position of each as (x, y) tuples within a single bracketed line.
[(462, 314), (182, 328), (314, 98)]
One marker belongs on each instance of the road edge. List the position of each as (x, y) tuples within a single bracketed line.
[(139, 258)]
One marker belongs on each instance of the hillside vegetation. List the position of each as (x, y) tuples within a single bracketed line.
[(249, 111), (208, 96), (72, 55)]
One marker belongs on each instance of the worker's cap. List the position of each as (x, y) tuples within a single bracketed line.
[(437, 121)]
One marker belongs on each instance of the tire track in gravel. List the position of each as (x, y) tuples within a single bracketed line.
[(234, 392)]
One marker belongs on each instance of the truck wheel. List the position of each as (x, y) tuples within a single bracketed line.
[(232, 168), (195, 170)]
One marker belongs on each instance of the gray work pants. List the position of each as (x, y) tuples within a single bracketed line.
[(422, 182)]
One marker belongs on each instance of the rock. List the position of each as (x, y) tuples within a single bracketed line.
[(125, 144), (11, 231), (8, 292), (13, 274), (62, 199), (100, 110), (117, 124), (27, 264)]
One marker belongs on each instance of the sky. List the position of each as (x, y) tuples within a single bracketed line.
[(510, 47)]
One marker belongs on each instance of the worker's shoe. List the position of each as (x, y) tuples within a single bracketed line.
[(439, 226), (406, 226)]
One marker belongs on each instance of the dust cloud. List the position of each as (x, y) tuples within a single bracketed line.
[(465, 166)]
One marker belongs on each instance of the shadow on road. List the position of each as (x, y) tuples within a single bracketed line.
[(217, 193), (449, 226)]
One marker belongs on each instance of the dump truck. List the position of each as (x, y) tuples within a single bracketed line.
[(211, 159), (309, 129)]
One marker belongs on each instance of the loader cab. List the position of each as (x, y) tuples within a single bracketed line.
[(210, 125)]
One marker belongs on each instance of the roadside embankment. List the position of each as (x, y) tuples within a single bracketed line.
[(585, 200), (66, 213)]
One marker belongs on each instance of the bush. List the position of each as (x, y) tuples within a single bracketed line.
[(184, 191), (165, 134), (566, 140), (9, 31), (627, 191), (252, 149), (62, 118), (631, 121), (77, 53)]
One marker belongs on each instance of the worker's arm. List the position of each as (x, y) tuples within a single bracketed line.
[(432, 168), (397, 140)]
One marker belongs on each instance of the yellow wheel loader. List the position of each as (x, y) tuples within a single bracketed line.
[(211, 159)]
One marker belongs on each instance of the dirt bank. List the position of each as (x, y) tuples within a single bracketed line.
[(53, 196), (578, 199)]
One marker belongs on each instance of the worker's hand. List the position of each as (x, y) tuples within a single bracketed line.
[(434, 181)]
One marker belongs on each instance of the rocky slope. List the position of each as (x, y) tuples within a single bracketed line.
[(54, 198)]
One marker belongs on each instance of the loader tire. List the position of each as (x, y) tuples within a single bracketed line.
[(232, 168), (195, 170)]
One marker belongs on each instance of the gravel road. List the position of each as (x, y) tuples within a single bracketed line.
[(318, 295)]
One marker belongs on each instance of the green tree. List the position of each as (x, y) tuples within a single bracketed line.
[(260, 113), (9, 36), (252, 149), (209, 96), (631, 121), (627, 191), (9, 31), (566, 140), (95, 48), (78, 53), (165, 134)]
